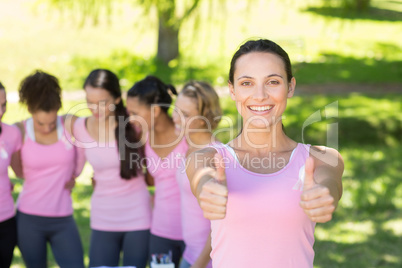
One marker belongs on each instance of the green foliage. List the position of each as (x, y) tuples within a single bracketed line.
[(332, 68), (131, 68), (82, 10)]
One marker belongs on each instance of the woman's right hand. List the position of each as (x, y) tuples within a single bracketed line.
[(212, 191)]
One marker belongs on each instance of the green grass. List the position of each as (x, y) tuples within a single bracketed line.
[(365, 231)]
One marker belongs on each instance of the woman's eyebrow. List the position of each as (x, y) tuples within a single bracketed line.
[(249, 77)]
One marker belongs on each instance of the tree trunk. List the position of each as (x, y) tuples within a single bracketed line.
[(362, 5), (168, 40), (357, 5)]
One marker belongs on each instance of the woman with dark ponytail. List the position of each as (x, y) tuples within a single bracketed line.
[(148, 102), (120, 203)]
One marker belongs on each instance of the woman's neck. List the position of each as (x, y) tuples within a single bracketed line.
[(199, 140), (163, 123), (106, 123), (271, 139)]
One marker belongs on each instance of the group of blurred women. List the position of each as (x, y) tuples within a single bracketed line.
[(141, 144), (49, 151)]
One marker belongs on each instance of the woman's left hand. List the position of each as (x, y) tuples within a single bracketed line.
[(316, 200), (70, 184)]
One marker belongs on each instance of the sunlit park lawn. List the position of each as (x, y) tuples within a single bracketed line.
[(327, 46)]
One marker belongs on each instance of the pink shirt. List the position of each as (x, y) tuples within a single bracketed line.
[(264, 224), (196, 228), (10, 142), (166, 216), (117, 204), (47, 168)]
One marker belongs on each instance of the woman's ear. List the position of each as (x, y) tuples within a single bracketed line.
[(231, 90), (292, 87), (155, 110), (117, 100)]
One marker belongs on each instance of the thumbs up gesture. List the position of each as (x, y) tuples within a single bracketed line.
[(213, 192), (316, 199)]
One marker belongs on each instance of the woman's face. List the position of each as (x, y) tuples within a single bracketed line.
[(44, 122), (140, 114), (101, 103), (260, 89), (3, 103), (186, 117)]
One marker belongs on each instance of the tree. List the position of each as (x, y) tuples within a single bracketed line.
[(171, 16), (169, 27), (352, 5)]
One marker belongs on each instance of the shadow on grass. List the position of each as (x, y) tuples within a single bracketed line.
[(334, 68), (359, 239), (360, 119), (373, 177), (373, 13)]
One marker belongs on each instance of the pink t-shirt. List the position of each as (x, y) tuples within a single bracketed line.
[(196, 228), (47, 168), (264, 224), (166, 216), (10, 142), (117, 204)]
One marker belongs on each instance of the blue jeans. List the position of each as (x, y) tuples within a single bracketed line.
[(8, 240), (34, 232), (106, 246), (184, 264)]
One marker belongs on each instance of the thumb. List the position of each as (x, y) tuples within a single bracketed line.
[(220, 169), (309, 174)]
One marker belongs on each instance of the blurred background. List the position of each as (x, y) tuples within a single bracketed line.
[(347, 59)]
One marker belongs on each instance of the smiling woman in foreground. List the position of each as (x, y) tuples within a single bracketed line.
[(263, 191)]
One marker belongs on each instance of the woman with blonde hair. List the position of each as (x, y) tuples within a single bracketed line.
[(197, 113)]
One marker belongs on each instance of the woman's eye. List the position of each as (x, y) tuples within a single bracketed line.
[(246, 83), (273, 82)]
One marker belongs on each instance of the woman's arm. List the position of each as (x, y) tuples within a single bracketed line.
[(204, 257), (206, 173), (16, 163), (323, 183), (80, 159)]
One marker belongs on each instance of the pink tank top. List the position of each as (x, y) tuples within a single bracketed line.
[(166, 219), (10, 142), (196, 228), (116, 204), (264, 224), (46, 170)]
